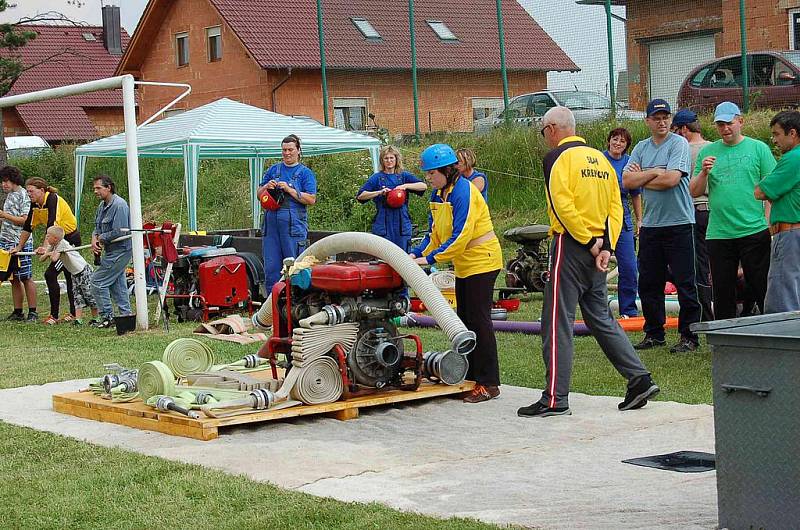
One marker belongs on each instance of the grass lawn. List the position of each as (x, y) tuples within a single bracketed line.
[(73, 477)]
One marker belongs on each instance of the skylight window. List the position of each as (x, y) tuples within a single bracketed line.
[(441, 30), (366, 28), (88, 37)]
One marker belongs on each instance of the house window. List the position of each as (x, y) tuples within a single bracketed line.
[(366, 28), (485, 107), (441, 30), (350, 114), (214, 38), (182, 48), (794, 29)]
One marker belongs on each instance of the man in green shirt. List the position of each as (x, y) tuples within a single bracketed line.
[(737, 227), (782, 189)]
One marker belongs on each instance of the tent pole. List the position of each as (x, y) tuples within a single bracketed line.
[(134, 200)]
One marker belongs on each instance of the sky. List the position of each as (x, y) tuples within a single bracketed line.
[(579, 30), (78, 10)]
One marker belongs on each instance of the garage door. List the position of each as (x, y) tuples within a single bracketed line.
[(672, 60)]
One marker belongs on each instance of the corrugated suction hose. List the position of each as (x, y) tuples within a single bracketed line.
[(462, 339)]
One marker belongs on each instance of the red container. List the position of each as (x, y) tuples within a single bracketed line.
[(223, 281), (509, 304), (353, 278), (417, 306)]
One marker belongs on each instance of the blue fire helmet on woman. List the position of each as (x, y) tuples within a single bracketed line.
[(436, 156)]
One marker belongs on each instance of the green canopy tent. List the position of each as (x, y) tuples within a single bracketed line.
[(224, 129)]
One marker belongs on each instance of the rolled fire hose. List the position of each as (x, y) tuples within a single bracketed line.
[(155, 378), (444, 280), (187, 356), (463, 340)]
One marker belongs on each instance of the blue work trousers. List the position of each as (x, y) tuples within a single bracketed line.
[(278, 243), (108, 281), (628, 282)]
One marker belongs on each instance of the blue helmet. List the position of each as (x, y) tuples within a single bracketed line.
[(436, 156)]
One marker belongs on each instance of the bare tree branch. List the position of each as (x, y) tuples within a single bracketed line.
[(54, 58), (53, 17)]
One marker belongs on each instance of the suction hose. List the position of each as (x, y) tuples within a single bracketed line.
[(462, 339)]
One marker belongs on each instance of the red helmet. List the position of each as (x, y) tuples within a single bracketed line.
[(271, 199), (396, 198)]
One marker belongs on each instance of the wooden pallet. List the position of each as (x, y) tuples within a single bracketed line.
[(140, 416)]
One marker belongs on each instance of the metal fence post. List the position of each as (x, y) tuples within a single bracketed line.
[(745, 76), (414, 65), (323, 67), (503, 72), (611, 81)]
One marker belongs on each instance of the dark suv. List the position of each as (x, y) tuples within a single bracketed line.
[(774, 81)]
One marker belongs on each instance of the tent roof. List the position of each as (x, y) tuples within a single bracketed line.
[(229, 129)]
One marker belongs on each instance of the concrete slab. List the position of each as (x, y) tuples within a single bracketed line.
[(444, 458)]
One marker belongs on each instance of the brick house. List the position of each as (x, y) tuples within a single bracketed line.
[(65, 55), (266, 54), (665, 41)]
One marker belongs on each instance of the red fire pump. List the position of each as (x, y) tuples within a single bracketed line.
[(370, 294)]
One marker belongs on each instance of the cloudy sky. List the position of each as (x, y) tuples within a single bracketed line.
[(579, 30), (78, 10)]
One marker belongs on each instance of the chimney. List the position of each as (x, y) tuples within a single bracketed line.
[(112, 32)]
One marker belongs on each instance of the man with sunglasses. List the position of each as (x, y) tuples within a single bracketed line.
[(660, 164)]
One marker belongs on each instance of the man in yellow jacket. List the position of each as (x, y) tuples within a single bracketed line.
[(585, 221)]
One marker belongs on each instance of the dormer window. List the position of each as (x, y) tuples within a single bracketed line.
[(441, 30), (366, 28)]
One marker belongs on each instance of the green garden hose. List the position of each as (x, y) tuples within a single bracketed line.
[(188, 356), (155, 378)]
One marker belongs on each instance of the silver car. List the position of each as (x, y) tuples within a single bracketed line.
[(528, 109)]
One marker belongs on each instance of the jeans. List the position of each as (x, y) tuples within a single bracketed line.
[(628, 282), (659, 248), (783, 282), (108, 282)]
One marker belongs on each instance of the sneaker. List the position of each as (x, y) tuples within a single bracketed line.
[(684, 346), (50, 320), (637, 395), (77, 322), (648, 343), (103, 323), (538, 410), (33, 316), (482, 393), (15, 317)]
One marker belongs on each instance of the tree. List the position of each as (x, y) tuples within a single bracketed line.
[(11, 67)]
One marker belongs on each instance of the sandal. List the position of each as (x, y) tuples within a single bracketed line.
[(68, 318), (50, 320)]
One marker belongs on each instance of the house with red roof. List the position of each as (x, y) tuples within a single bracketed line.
[(266, 53), (65, 55)]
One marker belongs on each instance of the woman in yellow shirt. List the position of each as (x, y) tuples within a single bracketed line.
[(49, 209), (461, 232)]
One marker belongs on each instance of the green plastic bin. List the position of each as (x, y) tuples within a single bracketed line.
[(756, 378)]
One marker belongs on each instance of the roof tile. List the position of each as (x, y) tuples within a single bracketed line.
[(66, 58), (281, 37)]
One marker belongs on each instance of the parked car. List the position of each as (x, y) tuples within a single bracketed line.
[(25, 146), (528, 109), (774, 81)]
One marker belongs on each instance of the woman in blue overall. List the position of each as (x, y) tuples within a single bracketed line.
[(461, 232), (285, 230), (393, 224), (619, 140), (466, 166)]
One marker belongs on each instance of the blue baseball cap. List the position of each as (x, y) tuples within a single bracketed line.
[(726, 111), (658, 105), (684, 117)]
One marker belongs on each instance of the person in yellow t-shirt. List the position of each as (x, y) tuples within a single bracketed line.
[(49, 209), (461, 232)]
